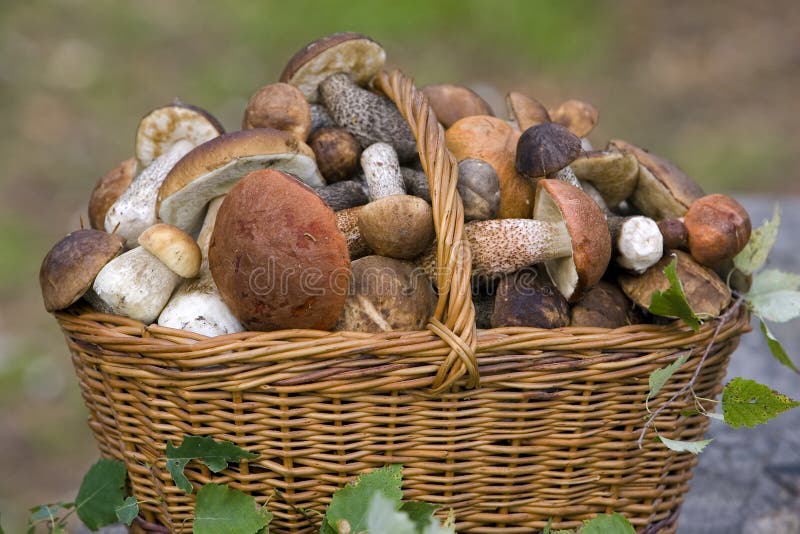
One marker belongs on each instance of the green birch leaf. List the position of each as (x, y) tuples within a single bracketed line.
[(748, 403), (128, 511), (49, 512), (420, 513), (351, 503), (214, 454), (608, 524), (754, 254), (777, 349), (694, 447), (672, 301), (775, 295), (659, 377), (221, 509), (101, 492)]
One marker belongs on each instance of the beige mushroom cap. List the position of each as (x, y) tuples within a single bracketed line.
[(526, 111), (453, 102), (280, 106), (69, 269), (577, 116), (166, 125), (613, 173), (397, 226), (175, 248), (108, 189)]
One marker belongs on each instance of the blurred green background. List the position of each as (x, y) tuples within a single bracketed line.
[(713, 88)]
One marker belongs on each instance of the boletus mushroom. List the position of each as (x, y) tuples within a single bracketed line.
[(525, 111), (280, 106), (452, 102), (604, 306), (337, 153), (614, 173), (108, 189), (717, 229), (528, 298), (545, 149), (577, 116), (166, 125)]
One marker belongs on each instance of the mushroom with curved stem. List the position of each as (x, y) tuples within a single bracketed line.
[(108, 189), (196, 305), (280, 106), (166, 125), (138, 283), (451, 102)]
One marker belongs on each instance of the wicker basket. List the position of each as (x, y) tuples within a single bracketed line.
[(509, 427)]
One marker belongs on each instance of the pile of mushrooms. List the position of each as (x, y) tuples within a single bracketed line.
[(316, 214)]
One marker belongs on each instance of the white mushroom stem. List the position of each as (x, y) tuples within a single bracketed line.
[(197, 305), (135, 210), (382, 171), (567, 175), (502, 246)]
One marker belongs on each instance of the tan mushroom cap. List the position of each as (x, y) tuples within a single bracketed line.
[(397, 226), (211, 169), (166, 125), (577, 116), (69, 269), (613, 173), (108, 189), (663, 190), (174, 248), (717, 228), (494, 141), (586, 224), (526, 111), (353, 53), (280, 106), (452, 102)]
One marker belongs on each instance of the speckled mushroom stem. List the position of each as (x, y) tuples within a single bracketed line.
[(382, 171)]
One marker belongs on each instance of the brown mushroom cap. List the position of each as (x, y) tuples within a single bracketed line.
[(674, 233), (663, 190), (718, 228), (386, 294), (706, 293), (69, 269), (173, 247), (586, 225), (397, 226), (212, 168), (280, 106), (604, 306), (528, 298), (166, 125), (577, 116), (494, 141), (613, 173), (453, 102), (337, 153), (526, 111), (545, 149), (276, 255), (107, 191), (353, 53)]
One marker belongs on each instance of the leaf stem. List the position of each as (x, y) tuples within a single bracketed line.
[(723, 320)]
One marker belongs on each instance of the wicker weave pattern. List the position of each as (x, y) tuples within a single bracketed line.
[(550, 431)]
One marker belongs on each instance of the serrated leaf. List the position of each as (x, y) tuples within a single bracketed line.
[(777, 349), (672, 301), (128, 511), (754, 254), (384, 517), (748, 403), (222, 509), (101, 491), (659, 377), (775, 295), (694, 447), (351, 503), (49, 512), (214, 454), (420, 513), (608, 524)]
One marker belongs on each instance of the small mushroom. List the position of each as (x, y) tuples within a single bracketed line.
[(545, 149), (337, 153), (494, 141), (343, 195), (280, 106), (165, 126), (604, 306), (393, 224), (526, 111), (347, 222), (717, 228), (369, 117), (69, 269), (528, 298), (577, 116), (613, 173), (108, 189), (211, 169), (277, 256), (453, 102), (479, 188), (139, 283), (662, 189), (196, 306), (386, 294), (135, 209), (352, 53), (706, 293)]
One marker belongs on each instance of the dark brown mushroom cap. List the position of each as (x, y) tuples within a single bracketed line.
[(546, 148), (586, 224), (718, 228), (526, 111), (604, 306), (663, 190), (674, 233), (577, 116), (277, 256), (69, 269), (337, 152), (528, 298), (386, 294), (453, 102), (706, 293), (280, 106), (107, 191), (353, 53)]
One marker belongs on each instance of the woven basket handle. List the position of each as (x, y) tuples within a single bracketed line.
[(454, 318)]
